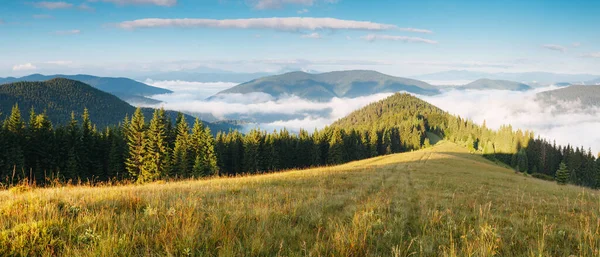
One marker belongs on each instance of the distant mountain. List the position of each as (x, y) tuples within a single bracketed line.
[(543, 78), (59, 97), (124, 88), (204, 77), (324, 86), (483, 84), (588, 96), (593, 82)]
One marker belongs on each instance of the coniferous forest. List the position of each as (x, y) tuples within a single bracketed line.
[(143, 149)]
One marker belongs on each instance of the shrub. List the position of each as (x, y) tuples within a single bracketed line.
[(542, 176)]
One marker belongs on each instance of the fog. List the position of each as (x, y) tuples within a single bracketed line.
[(578, 125), (565, 122)]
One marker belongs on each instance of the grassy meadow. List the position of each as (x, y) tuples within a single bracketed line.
[(441, 201)]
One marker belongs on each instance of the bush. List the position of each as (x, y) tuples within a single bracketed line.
[(542, 176)]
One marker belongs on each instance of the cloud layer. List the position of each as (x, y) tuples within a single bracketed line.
[(279, 24), (578, 126), (24, 67)]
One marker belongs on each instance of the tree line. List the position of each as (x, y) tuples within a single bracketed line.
[(142, 151)]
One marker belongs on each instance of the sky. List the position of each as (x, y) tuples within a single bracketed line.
[(397, 37)]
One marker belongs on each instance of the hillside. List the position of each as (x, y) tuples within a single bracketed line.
[(486, 84), (59, 97), (324, 86), (441, 201), (124, 88), (588, 96)]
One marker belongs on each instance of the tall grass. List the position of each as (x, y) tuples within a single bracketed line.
[(440, 201)]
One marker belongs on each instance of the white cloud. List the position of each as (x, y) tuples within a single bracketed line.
[(578, 126), (592, 55), (53, 5), (303, 11), (314, 35), (141, 2), (24, 67), (277, 4), (576, 44), (374, 37), (279, 24), (67, 32), (416, 30), (189, 90), (555, 48)]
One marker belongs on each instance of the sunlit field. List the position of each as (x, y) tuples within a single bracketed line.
[(441, 201)]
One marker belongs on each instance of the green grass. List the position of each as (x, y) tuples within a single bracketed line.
[(441, 201)]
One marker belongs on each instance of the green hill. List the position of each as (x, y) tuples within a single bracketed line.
[(440, 201), (124, 88), (324, 86), (486, 84), (59, 97)]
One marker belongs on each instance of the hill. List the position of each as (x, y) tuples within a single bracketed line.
[(587, 96), (440, 201), (124, 88), (324, 86), (485, 84), (59, 97), (542, 78)]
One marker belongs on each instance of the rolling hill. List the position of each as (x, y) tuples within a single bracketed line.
[(486, 84), (440, 201), (324, 86), (59, 97), (588, 96), (124, 88)]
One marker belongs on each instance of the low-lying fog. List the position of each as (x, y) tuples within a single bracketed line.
[(578, 126)]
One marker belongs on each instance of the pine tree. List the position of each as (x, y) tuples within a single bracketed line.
[(336, 148), (180, 158), (562, 174), (136, 141), (156, 147), (522, 161)]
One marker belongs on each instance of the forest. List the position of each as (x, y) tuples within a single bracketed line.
[(142, 149)]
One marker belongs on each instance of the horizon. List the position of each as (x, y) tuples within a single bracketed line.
[(133, 38)]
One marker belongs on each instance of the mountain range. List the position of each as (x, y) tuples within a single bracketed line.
[(587, 96), (542, 78), (127, 89), (486, 84), (59, 97), (324, 86)]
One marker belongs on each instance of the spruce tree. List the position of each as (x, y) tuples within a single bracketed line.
[(562, 174), (336, 148), (136, 141), (180, 159), (156, 147)]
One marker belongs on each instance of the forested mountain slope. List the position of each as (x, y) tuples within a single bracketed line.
[(124, 88), (59, 97), (324, 86)]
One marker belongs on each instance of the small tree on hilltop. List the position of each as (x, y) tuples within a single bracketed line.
[(562, 174)]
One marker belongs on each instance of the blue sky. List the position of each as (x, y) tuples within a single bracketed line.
[(114, 37)]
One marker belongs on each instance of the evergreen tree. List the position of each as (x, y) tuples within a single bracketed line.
[(136, 140), (180, 158), (336, 148), (562, 174), (156, 160)]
